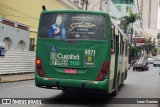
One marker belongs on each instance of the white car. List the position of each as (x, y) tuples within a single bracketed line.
[(150, 60), (156, 63)]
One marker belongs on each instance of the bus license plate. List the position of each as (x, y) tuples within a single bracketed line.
[(70, 71)]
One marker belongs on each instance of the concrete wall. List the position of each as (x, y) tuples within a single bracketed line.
[(14, 38)]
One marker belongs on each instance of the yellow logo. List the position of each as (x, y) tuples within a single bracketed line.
[(89, 59)]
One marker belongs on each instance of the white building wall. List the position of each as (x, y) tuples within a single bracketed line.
[(15, 35), (150, 16)]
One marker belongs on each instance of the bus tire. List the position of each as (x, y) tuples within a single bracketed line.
[(122, 83), (64, 90), (122, 79), (115, 92), (125, 77)]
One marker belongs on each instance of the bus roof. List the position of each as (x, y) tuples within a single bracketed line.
[(73, 11)]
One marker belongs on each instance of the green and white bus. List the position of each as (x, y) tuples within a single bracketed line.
[(80, 50)]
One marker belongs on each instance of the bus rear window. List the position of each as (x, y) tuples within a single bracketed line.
[(73, 26)]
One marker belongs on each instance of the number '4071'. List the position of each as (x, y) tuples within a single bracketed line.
[(90, 52)]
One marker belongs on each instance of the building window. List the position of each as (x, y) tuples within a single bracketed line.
[(32, 44), (128, 8), (21, 45), (122, 1), (130, 2), (8, 43), (119, 8)]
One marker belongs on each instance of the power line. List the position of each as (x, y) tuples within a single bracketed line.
[(20, 16), (17, 11), (27, 20), (3, 15)]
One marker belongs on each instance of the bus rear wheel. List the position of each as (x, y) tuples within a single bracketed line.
[(65, 90), (115, 92)]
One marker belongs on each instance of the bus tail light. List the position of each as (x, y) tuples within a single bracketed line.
[(103, 71), (39, 67)]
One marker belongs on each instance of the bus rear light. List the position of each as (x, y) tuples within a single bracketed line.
[(105, 65), (39, 68), (103, 71), (38, 61)]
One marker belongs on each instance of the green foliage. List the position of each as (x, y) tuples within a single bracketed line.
[(154, 51), (127, 20), (149, 46), (158, 36), (133, 50), (131, 18)]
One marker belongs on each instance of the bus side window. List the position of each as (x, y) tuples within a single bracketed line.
[(113, 40), (119, 36), (121, 44)]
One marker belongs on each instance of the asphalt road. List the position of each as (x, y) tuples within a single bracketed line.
[(138, 84)]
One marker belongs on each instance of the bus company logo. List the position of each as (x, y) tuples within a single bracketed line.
[(89, 59), (66, 56), (62, 59)]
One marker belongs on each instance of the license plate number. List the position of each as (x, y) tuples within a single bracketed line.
[(70, 71)]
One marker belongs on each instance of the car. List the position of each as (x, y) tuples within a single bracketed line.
[(156, 62), (150, 60), (141, 66)]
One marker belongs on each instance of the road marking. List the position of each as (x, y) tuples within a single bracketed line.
[(19, 86)]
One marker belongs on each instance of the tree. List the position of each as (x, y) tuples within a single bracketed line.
[(130, 20), (133, 52), (149, 46), (154, 51), (158, 36)]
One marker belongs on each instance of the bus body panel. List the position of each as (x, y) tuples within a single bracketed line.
[(44, 82), (83, 71), (73, 63)]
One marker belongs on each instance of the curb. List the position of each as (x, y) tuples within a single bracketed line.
[(5, 78)]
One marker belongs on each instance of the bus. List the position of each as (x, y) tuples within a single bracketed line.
[(80, 50)]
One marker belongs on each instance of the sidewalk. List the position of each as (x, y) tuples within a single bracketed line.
[(16, 77)]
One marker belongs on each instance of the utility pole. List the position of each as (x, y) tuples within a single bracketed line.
[(86, 4)]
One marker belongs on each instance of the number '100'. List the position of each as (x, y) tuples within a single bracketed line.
[(74, 63)]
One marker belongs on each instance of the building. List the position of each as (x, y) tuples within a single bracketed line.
[(101, 5), (158, 23), (15, 35), (124, 6), (27, 12), (149, 17), (18, 30)]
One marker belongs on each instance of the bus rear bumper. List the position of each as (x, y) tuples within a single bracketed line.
[(59, 83)]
